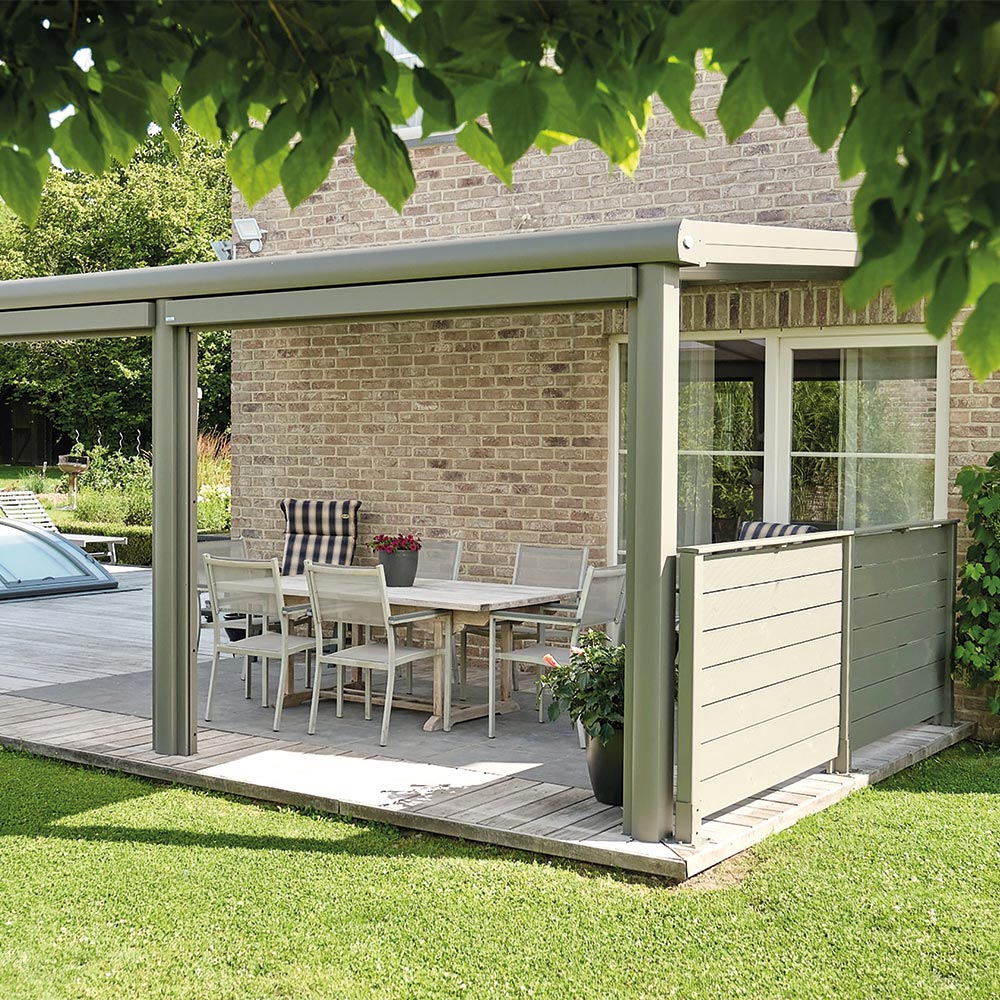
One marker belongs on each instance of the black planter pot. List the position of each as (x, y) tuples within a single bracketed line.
[(606, 764), (400, 567)]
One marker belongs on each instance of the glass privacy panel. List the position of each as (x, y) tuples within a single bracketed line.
[(863, 431), (721, 438)]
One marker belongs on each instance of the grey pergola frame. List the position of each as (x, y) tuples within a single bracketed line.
[(640, 266)]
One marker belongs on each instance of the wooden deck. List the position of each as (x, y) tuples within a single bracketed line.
[(443, 786)]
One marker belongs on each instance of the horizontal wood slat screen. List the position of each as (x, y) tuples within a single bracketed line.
[(759, 693), (902, 594)]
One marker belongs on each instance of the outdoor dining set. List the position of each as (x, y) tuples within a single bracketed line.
[(313, 602)]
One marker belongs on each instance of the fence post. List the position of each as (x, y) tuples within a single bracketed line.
[(947, 717), (843, 762), (688, 802)]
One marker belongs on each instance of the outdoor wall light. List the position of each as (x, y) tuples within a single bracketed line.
[(224, 249), (250, 233)]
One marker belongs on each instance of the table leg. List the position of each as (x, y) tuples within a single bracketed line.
[(506, 666), (440, 665)]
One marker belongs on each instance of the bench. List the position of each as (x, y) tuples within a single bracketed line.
[(23, 505)]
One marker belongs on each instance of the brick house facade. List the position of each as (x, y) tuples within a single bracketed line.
[(497, 427)]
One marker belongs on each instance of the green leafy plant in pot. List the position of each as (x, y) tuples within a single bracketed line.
[(591, 689)]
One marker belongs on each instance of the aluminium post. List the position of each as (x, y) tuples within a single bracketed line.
[(175, 628), (651, 533)]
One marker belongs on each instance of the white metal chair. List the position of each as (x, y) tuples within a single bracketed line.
[(341, 595), (251, 588), (534, 566), (602, 602), (440, 559)]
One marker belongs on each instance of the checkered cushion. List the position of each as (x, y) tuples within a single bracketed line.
[(771, 529), (324, 531)]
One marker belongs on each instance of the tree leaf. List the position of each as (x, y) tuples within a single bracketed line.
[(79, 144), (742, 101), (517, 115), (829, 106), (280, 128), (254, 179), (477, 142), (434, 96), (979, 340), (382, 160), (21, 180), (308, 164), (675, 89), (949, 296)]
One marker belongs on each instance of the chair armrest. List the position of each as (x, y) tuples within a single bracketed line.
[(531, 619), (414, 616)]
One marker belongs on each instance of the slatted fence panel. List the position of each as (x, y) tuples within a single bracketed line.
[(759, 669), (902, 590)]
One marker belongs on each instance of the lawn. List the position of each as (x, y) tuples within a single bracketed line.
[(114, 887)]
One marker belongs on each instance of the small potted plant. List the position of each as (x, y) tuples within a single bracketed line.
[(591, 688), (397, 554)]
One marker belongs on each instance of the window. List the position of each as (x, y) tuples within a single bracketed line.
[(837, 431)]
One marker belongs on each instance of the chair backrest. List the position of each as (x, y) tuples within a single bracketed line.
[(439, 558), (355, 595), (550, 566), (771, 529), (602, 600), (243, 586), (321, 531), (227, 548), (23, 505)]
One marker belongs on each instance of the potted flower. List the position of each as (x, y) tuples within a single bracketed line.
[(591, 688), (397, 554)]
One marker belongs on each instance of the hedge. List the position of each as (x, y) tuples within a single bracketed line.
[(138, 552)]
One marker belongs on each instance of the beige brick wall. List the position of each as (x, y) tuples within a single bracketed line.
[(772, 175)]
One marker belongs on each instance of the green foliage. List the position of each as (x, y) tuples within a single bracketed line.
[(214, 503), (910, 91), (153, 212), (591, 686), (977, 629)]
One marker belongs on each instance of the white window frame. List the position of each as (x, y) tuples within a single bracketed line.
[(778, 347)]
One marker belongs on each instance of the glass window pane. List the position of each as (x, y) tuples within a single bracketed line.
[(24, 557), (721, 438), (863, 435)]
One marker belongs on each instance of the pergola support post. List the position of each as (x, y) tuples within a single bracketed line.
[(175, 626), (651, 532)]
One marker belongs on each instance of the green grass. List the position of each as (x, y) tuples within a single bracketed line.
[(13, 477), (113, 887)]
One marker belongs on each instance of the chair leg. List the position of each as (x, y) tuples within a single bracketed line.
[(463, 665), (368, 694), (247, 676), (340, 690), (409, 666), (265, 670), (390, 683), (538, 694), (491, 680), (314, 702), (211, 687), (279, 698)]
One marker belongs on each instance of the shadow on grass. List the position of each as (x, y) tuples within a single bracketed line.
[(38, 796)]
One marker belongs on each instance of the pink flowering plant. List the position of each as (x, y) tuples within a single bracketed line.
[(395, 543), (591, 687)]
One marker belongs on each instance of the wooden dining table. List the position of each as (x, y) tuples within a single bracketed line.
[(467, 602)]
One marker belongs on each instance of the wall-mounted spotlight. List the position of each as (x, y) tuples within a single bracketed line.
[(250, 233), (224, 249)]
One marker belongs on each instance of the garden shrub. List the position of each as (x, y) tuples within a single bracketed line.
[(977, 627), (138, 552)]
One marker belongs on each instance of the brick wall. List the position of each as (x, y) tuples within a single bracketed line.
[(773, 175)]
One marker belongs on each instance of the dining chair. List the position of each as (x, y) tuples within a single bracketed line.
[(357, 596), (534, 566), (602, 601), (439, 559), (251, 589)]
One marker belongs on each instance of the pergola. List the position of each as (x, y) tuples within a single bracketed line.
[(641, 267)]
